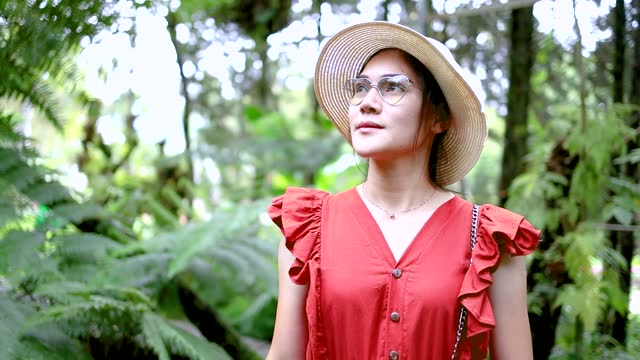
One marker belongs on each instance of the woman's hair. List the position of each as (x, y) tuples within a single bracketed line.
[(432, 100)]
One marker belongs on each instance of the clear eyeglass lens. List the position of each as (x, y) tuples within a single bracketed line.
[(391, 88)]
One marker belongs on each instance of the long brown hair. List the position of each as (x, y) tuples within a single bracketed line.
[(432, 100)]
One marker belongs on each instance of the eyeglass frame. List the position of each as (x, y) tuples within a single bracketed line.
[(351, 92)]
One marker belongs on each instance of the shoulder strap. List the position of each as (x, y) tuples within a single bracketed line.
[(463, 312)]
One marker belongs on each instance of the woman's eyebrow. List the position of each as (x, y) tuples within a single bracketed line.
[(363, 76)]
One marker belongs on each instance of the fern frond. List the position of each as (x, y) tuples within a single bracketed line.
[(160, 333), (176, 200), (8, 213), (263, 268), (264, 247), (49, 342), (198, 348), (256, 306), (22, 176), (42, 96), (201, 237), (97, 313), (67, 292), (77, 213), (160, 212), (19, 252), (46, 342), (225, 227), (63, 291), (8, 158), (232, 262), (153, 336), (48, 193), (84, 246), (30, 86), (144, 271), (12, 315), (119, 231)]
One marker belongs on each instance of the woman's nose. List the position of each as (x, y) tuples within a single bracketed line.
[(371, 102)]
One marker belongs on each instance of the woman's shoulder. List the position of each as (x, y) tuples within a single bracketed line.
[(510, 230), (296, 207), (298, 214)]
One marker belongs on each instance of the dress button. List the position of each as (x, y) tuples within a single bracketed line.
[(394, 355), (396, 273), (395, 316)]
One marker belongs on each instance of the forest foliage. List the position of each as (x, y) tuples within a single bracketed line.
[(158, 254)]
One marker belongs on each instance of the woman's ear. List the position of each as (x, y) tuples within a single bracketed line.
[(440, 126)]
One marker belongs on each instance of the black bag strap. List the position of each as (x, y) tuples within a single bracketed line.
[(463, 311)]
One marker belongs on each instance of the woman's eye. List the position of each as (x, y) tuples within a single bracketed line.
[(361, 88), (393, 87)]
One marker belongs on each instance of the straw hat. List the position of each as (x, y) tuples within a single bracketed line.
[(345, 54)]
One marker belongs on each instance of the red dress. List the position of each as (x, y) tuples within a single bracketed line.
[(362, 304)]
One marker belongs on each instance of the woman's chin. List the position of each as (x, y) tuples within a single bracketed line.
[(371, 152)]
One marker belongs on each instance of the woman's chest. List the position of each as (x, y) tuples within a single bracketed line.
[(359, 270)]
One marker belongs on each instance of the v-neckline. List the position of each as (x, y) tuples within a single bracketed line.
[(368, 222)]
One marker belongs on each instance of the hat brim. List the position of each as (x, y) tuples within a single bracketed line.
[(345, 54)]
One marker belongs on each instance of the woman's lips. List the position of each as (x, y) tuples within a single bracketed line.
[(368, 125)]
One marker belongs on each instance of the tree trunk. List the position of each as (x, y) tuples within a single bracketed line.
[(619, 31), (171, 27), (520, 65)]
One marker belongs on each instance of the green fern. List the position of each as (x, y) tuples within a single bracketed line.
[(256, 306), (146, 272), (79, 285), (49, 342), (261, 264), (77, 213), (12, 315), (153, 336), (8, 212), (8, 159), (164, 217), (22, 176), (93, 316), (48, 193), (38, 40), (21, 257), (159, 335), (43, 343), (232, 263), (84, 246)]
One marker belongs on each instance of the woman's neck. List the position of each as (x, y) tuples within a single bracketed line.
[(398, 184)]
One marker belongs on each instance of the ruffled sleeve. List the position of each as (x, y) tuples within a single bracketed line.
[(298, 213), (499, 231)]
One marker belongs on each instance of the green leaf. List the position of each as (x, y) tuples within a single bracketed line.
[(77, 213), (48, 193), (85, 246), (152, 333), (19, 252), (161, 335), (12, 315), (198, 237)]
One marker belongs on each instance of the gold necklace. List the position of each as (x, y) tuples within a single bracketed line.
[(392, 215)]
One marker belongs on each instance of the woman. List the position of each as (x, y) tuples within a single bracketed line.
[(384, 270)]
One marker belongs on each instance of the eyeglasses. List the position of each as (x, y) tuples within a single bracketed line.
[(391, 88)]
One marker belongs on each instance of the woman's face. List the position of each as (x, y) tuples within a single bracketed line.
[(380, 130)]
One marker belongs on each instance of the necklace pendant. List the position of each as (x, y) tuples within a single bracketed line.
[(392, 216)]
